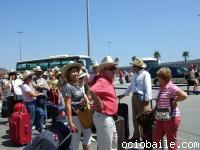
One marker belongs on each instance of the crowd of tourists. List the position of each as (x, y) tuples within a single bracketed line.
[(74, 88)]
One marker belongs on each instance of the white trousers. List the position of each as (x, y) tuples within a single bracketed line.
[(106, 131), (76, 137)]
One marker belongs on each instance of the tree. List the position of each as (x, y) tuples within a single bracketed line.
[(116, 60), (185, 55), (157, 55)]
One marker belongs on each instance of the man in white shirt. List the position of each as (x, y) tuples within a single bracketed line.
[(142, 93)]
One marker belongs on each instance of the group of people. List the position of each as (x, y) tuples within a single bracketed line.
[(77, 88), (34, 88), (193, 76)]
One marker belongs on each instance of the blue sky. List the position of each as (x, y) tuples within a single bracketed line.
[(135, 28)]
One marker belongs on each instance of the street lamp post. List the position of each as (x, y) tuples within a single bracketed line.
[(109, 45), (88, 27), (20, 46)]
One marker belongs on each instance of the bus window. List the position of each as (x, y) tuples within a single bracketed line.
[(54, 63), (64, 62), (31, 66), (21, 66), (44, 65)]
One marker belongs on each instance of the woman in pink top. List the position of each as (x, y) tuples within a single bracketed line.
[(105, 105), (167, 112)]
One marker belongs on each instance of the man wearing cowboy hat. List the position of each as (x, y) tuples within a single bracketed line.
[(41, 86), (105, 105), (142, 93)]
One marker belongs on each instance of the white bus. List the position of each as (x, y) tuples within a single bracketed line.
[(53, 61)]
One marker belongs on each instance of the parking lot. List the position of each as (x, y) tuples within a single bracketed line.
[(189, 131)]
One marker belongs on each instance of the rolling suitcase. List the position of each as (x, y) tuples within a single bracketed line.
[(20, 130), (64, 134), (123, 111), (46, 140), (59, 114), (120, 127)]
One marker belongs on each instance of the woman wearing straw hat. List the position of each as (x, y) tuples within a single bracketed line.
[(105, 105), (29, 94), (74, 98)]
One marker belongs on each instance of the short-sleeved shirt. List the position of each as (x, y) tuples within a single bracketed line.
[(165, 95), (105, 90), (74, 92), (27, 88)]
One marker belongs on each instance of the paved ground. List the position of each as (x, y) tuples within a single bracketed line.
[(189, 130)]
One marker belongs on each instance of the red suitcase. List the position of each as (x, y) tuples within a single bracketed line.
[(20, 129)]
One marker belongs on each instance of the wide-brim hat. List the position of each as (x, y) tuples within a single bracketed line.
[(138, 62), (38, 69), (81, 74), (65, 69), (56, 69), (95, 64), (106, 62), (27, 74)]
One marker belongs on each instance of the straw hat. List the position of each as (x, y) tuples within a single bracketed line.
[(45, 73), (106, 62), (38, 69), (56, 69), (95, 64), (66, 68), (138, 62), (27, 74), (81, 74)]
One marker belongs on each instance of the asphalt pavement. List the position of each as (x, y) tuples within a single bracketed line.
[(188, 133)]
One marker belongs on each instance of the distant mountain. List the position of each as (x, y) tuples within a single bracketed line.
[(3, 70)]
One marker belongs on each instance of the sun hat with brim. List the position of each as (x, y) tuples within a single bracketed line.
[(45, 73), (106, 62), (65, 69), (138, 62), (95, 64), (81, 74), (38, 69), (27, 74)]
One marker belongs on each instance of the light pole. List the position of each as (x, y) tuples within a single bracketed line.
[(109, 45), (20, 45), (88, 27)]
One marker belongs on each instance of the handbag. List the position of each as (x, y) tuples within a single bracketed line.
[(85, 115), (163, 114), (147, 117)]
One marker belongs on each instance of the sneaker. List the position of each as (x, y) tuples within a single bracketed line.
[(93, 139), (33, 127)]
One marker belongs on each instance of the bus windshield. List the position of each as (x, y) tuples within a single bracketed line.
[(53, 61)]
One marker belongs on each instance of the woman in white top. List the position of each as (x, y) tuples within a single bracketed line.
[(29, 94)]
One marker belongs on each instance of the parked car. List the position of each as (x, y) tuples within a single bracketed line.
[(178, 75)]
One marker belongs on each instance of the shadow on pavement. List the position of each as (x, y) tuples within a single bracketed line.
[(3, 122), (8, 143), (5, 136)]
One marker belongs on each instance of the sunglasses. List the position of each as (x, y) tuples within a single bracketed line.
[(111, 69)]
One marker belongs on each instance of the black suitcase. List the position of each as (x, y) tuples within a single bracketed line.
[(120, 127), (64, 134), (58, 114), (123, 111), (47, 140), (4, 109)]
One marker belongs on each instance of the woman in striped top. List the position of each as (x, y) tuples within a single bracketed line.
[(168, 96)]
